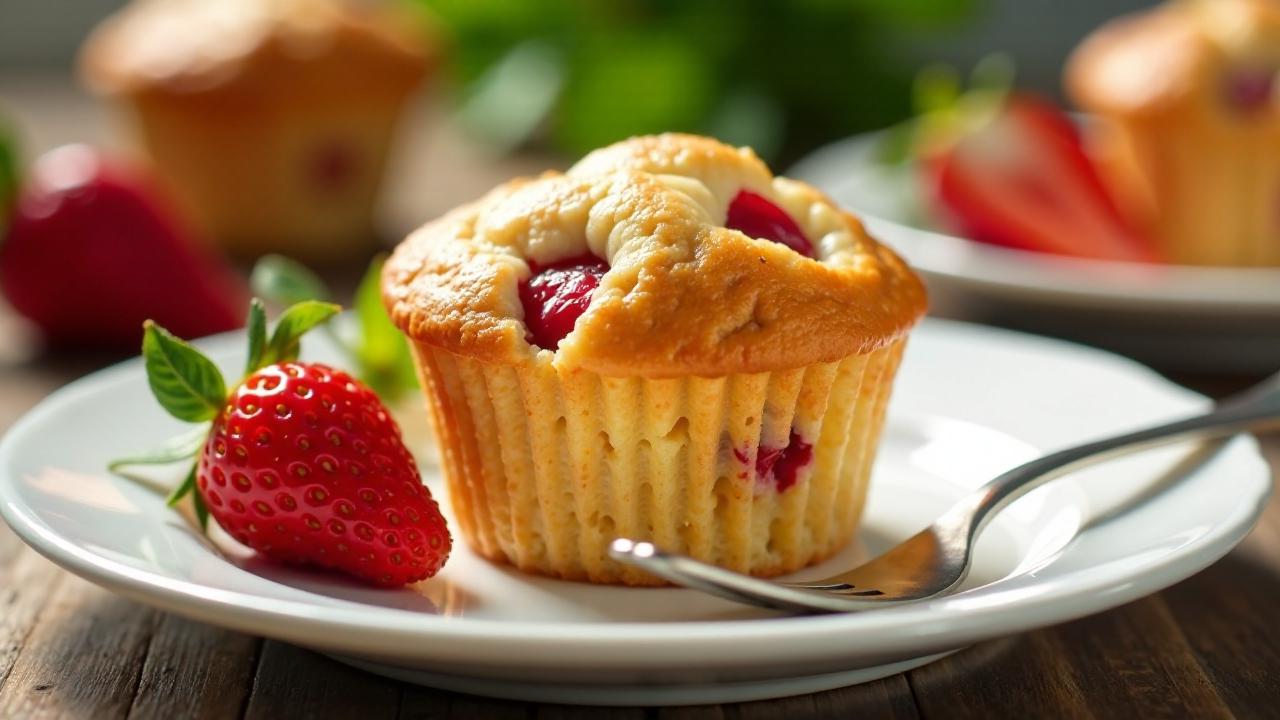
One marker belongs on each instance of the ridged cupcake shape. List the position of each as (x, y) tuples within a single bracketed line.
[(271, 120), (721, 395), (1188, 125)]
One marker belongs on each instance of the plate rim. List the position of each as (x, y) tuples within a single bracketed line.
[(1011, 271), (479, 638)]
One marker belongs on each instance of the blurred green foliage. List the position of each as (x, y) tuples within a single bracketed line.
[(8, 175), (780, 75)]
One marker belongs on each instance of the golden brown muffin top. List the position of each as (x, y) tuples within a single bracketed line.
[(683, 295), (1211, 53), (189, 46)]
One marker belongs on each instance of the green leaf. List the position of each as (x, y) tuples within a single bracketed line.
[(513, 98), (936, 88), (382, 354), (995, 73), (8, 175), (285, 281), (177, 448), (188, 487), (293, 324), (186, 383), (668, 86), (184, 489), (202, 512), (256, 327)]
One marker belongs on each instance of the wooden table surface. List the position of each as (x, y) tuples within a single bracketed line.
[(1207, 647)]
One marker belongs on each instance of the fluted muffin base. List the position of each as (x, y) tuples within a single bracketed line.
[(546, 466)]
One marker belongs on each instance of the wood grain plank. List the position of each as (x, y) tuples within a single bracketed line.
[(1131, 661), (587, 712), (1026, 676), (422, 703), (294, 683), (1135, 662), (25, 586), (692, 712), (10, 545), (195, 671), (888, 698), (82, 659), (1230, 615)]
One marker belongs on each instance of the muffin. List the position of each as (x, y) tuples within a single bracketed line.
[(1189, 127), (665, 343), (271, 119)]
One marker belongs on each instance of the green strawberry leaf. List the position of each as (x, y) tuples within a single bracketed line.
[(188, 487), (184, 489), (8, 176), (293, 324), (202, 510), (256, 328), (182, 447), (186, 383), (285, 281), (383, 353)]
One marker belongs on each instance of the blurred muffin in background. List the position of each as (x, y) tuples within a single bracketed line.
[(272, 119), (1190, 125)]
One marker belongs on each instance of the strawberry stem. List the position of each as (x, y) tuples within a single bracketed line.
[(180, 447), (256, 329), (285, 342), (185, 488)]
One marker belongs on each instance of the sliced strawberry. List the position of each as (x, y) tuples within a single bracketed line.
[(1021, 178)]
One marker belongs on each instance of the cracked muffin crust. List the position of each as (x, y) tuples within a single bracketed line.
[(664, 343), (683, 295)]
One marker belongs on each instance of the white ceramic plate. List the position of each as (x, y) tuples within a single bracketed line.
[(970, 402), (1195, 318)]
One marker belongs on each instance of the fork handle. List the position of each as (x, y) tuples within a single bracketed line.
[(1254, 408)]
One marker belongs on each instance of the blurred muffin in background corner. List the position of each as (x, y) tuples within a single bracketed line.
[(1189, 131), (272, 119)]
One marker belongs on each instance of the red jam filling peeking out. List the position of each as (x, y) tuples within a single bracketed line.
[(781, 466), (1249, 90), (333, 166), (755, 216), (555, 295)]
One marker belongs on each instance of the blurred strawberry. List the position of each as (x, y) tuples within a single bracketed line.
[(1011, 170), (91, 250)]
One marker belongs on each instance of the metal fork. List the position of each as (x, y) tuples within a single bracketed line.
[(936, 560)]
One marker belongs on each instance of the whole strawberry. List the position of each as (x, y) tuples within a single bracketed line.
[(90, 248), (300, 461)]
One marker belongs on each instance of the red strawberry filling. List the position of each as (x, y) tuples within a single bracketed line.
[(780, 465), (757, 217), (1248, 90), (333, 166), (556, 295)]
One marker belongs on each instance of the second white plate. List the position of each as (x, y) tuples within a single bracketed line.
[(1183, 317)]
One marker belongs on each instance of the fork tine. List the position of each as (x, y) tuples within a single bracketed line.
[(733, 586)]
